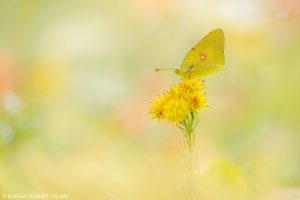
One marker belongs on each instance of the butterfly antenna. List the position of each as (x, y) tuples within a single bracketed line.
[(164, 69)]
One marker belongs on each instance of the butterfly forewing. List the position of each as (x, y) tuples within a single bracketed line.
[(206, 57)]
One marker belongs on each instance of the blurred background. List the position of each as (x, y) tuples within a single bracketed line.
[(77, 80)]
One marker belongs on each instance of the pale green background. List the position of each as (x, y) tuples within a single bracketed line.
[(76, 82)]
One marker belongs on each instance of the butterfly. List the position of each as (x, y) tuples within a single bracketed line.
[(205, 58)]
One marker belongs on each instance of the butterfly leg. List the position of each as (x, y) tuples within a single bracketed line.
[(189, 70)]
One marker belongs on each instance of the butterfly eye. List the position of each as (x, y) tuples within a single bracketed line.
[(203, 56)]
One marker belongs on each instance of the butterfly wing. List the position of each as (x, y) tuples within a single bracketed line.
[(206, 57)]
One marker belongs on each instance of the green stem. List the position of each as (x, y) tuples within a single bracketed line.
[(187, 127)]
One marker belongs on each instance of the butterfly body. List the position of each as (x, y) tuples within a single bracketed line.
[(205, 58)]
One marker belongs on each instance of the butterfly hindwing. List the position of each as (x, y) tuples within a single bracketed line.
[(206, 57)]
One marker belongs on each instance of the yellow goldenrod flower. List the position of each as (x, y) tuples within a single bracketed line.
[(176, 110), (157, 109), (181, 104), (191, 85), (174, 93), (186, 97), (196, 101)]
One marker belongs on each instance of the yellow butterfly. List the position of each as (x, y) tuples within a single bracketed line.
[(206, 57)]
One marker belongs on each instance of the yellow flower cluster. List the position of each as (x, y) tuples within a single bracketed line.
[(183, 98)]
